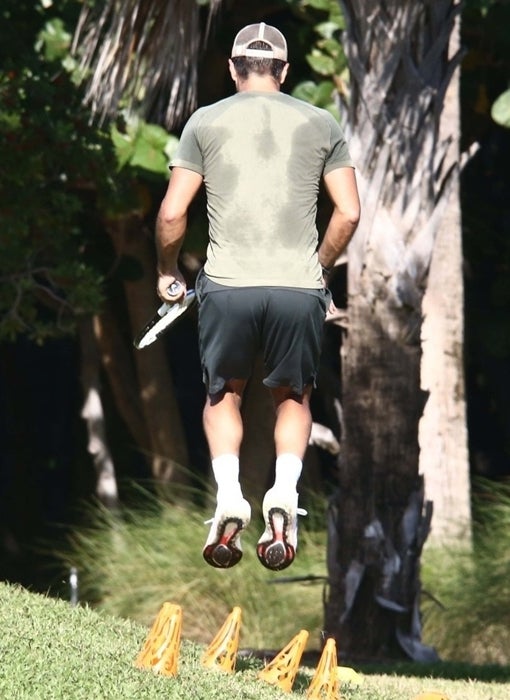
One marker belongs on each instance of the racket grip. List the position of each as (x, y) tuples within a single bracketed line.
[(174, 288)]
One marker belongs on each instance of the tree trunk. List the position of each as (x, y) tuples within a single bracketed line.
[(444, 457), (379, 519), (167, 450), (93, 415), (116, 359)]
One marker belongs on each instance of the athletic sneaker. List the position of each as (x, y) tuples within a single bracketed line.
[(223, 547), (276, 548)]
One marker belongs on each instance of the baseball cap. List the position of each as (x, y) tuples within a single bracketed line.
[(260, 32)]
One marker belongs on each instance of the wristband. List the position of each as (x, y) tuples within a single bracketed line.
[(325, 271)]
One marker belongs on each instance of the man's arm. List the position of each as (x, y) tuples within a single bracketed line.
[(171, 228), (343, 192)]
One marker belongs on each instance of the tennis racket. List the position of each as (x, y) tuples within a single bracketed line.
[(166, 316)]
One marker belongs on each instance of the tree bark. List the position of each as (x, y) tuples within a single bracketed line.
[(444, 456), (379, 519), (167, 448), (93, 415)]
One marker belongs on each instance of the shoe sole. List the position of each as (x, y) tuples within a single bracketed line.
[(223, 553), (277, 554)]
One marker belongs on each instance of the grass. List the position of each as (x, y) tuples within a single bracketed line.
[(469, 617), (129, 564), (51, 651)]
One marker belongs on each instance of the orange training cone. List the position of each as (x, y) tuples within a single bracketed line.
[(324, 685), (222, 651), (161, 649), (282, 670)]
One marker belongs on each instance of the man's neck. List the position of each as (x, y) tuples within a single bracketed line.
[(258, 83)]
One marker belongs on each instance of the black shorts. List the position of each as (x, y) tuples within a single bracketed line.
[(285, 324)]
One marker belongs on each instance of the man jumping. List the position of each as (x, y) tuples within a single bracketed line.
[(261, 155)]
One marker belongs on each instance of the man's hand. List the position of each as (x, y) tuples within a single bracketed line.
[(171, 288)]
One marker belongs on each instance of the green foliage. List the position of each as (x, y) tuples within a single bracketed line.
[(469, 616), (500, 110), (56, 164), (66, 177), (318, 94), (141, 145), (53, 160), (54, 40), (326, 58)]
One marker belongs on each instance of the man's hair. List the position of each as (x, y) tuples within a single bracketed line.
[(245, 65)]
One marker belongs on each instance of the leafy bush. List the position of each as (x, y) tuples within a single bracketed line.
[(469, 615), (130, 564)]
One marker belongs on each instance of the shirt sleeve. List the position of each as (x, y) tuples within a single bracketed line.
[(188, 153), (338, 156)]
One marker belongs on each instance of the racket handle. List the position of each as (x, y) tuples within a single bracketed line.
[(174, 288)]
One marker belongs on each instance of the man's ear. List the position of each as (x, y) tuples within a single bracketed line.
[(284, 72), (232, 70)]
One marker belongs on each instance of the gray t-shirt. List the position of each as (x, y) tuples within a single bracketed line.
[(262, 156)]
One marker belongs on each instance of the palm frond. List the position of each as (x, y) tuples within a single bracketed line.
[(143, 55)]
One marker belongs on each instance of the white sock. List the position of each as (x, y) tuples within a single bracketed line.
[(226, 474), (287, 471)]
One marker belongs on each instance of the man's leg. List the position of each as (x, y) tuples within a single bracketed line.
[(277, 546), (223, 423), (224, 431), (293, 421)]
